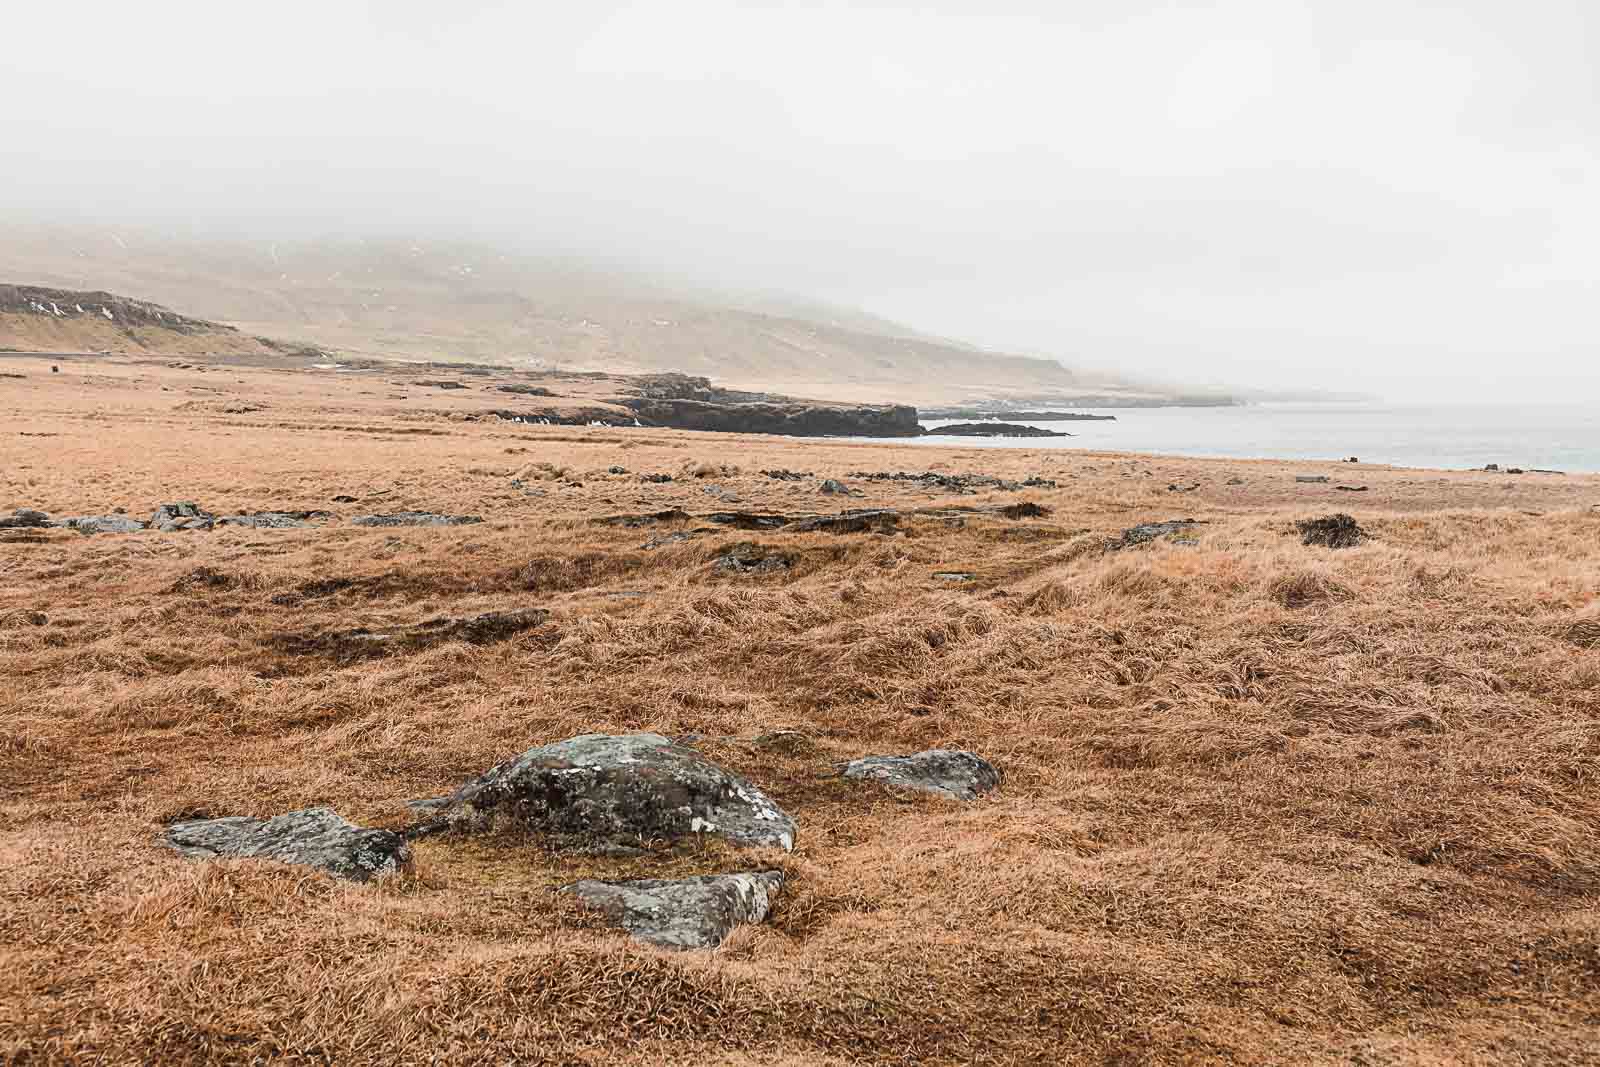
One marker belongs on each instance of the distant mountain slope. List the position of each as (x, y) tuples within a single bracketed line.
[(452, 301), (42, 319)]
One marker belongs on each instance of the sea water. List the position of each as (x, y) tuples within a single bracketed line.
[(1553, 437)]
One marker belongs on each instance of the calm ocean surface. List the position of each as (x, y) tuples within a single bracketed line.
[(1451, 437)]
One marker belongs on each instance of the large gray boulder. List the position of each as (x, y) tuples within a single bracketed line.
[(618, 787), (315, 837), (946, 772), (698, 912)]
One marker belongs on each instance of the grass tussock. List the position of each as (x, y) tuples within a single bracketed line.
[(1263, 803)]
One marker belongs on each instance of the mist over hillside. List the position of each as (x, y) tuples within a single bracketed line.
[(457, 300)]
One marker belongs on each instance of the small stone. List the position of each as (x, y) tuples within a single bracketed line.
[(833, 487), (683, 913), (1312, 479), (314, 837), (950, 773)]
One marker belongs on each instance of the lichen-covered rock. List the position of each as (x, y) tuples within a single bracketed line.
[(272, 520), (619, 787), (950, 773), (100, 524), (185, 515), (315, 837), (414, 518), (698, 912)]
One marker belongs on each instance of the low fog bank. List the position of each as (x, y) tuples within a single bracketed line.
[(1282, 196)]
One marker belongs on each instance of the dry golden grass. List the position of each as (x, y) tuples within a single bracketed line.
[(1264, 803)]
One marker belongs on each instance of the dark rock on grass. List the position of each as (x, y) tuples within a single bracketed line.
[(650, 519), (785, 475), (442, 384), (25, 519), (994, 429), (344, 498), (833, 487), (954, 576), (949, 773), (655, 479), (1146, 532), (1025, 509), (362, 643), (1176, 488), (698, 912), (414, 518), (876, 520), (616, 470), (749, 520), (525, 390), (1312, 479), (1351, 488), (747, 557), (1331, 531), (315, 837), (627, 788)]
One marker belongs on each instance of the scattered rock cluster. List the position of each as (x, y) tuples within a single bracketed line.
[(595, 791), (414, 518), (168, 518), (958, 483)]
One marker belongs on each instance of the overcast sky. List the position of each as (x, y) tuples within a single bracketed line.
[(1390, 195)]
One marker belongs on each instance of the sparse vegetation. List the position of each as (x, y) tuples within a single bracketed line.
[(1262, 803)]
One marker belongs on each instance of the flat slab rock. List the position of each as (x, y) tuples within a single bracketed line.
[(314, 837), (414, 518), (698, 912), (618, 787), (951, 773)]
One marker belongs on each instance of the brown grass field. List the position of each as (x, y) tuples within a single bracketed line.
[(1264, 803)]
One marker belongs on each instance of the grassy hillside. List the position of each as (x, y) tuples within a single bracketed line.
[(431, 300), (41, 319)]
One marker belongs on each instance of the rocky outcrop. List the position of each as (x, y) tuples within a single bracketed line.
[(186, 515), (617, 788), (1019, 416), (955, 483), (25, 519), (363, 643), (315, 837), (683, 913), (1146, 532), (273, 520), (994, 429), (414, 518), (950, 773), (100, 524), (747, 557), (792, 418)]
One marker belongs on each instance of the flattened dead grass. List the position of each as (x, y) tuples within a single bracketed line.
[(1263, 804)]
